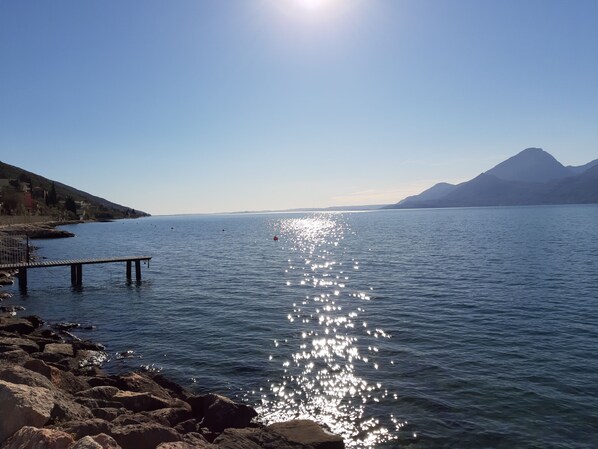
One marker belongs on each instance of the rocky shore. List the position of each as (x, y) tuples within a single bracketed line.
[(55, 395), (45, 230)]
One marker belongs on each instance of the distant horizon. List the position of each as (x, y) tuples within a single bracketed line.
[(210, 107)]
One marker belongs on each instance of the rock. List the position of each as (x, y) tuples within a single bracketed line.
[(15, 356), (62, 379), (87, 427), (104, 392), (174, 389), (309, 433), (142, 384), (138, 402), (108, 413), (63, 349), (220, 413), (86, 345), (184, 445), (65, 409), (23, 343), (188, 426), (97, 403), (196, 439), (35, 321), (20, 326), (172, 415), (101, 441), (87, 358), (99, 381), (143, 436), (22, 376), (21, 406), (31, 437), (252, 438)]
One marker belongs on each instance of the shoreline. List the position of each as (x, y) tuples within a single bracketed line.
[(53, 387)]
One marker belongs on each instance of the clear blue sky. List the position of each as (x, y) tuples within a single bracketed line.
[(213, 105)]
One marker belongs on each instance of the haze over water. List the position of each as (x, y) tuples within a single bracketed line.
[(464, 328)]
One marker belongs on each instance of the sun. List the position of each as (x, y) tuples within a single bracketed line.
[(313, 5)]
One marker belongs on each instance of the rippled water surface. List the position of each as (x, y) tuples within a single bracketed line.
[(467, 328)]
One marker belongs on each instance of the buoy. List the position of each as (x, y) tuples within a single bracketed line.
[(275, 238)]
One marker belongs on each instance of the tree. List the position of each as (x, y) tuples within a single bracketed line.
[(51, 198), (70, 205)]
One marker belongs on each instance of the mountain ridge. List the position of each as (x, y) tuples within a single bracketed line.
[(531, 177)]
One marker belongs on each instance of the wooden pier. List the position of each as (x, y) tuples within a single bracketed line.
[(76, 267)]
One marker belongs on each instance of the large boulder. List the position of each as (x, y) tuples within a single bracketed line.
[(138, 402), (101, 441), (21, 405), (255, 438), (308, 432), (185, 445), (88, 427), (220, 412), (104, 392), (24, 343), (31, 437), (18, 375), (143, 436), (20, 326), (142, 384), (62, 349)]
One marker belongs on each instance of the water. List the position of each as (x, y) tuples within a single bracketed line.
[(468, 328)]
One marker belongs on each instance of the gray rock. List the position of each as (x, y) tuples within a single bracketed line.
[(31, 437), (101, 441), (108, 413), (308, 432), (21, 405), (141, 383)]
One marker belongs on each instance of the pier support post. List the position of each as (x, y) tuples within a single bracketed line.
[(138, 270), (128, 271), (23, 278), (76, 274)]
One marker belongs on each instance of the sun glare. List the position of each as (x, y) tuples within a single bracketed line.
[(313, 5)]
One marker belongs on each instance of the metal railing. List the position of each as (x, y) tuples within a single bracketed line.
[(14, 249)]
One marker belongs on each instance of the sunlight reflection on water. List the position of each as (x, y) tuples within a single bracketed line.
[(321, 377)]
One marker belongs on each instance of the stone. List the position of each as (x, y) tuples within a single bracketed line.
[(187, 426), (255, 438), (174, 389), (15, 356), (138, 402), (172, 415), (100, 441), (183, 445), (22, 376), (220, 413), (21, 405), (103, 392), (196, 439), (35, 321), (108, 413), (141, 383), (97, 403), (31, 437), (308, 432), (143, 436), (18, 325), (63, 349), (65, 409), (88, 427), (23, 343)]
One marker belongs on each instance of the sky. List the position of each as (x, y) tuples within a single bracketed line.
[(201, 106)]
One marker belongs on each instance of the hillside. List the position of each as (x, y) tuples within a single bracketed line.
[(532, 177), (23, 192)]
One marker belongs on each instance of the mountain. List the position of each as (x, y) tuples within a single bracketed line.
[(528, 178), (15, 181), (436, 191), (531, 165), (581, 168)]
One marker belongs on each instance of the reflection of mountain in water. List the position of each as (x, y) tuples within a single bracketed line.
[(528, 178)]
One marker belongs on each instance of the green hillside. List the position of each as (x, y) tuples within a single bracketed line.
[(25, 193)]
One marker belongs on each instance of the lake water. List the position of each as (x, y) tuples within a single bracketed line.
[(455, 328)]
